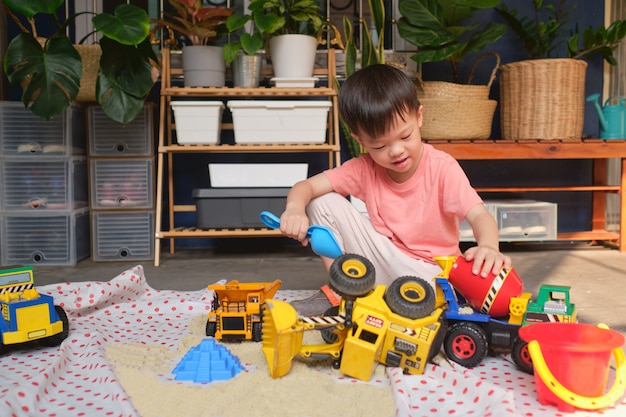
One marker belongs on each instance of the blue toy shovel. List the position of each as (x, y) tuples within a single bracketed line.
[(322, 239)]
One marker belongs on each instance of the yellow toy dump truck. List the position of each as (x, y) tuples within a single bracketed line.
[(396, 326), (236, 310), (28, 315)]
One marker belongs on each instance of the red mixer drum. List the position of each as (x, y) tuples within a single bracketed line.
[(490, 295)]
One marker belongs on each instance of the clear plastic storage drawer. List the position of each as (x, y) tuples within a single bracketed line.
[(526, 220), (109, 138), (118, 236), (36, 184), (44, 238), (23, 133), (518, 221), (117, 183)]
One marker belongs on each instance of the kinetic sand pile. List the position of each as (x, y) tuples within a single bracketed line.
[(306, 391)]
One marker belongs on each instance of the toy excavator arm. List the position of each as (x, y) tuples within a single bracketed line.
[(283, 333)]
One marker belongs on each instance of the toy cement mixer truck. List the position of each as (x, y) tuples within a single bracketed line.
[(485, 314)]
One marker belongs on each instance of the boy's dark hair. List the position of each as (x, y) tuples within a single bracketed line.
[(372, 98)]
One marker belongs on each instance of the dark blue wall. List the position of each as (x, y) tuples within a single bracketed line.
[(574, 208)]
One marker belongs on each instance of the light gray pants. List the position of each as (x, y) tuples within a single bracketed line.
[(356, 235)]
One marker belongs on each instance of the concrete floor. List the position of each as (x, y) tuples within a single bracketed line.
[(596, 274)]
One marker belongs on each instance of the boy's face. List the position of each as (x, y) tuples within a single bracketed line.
[(400, 149)]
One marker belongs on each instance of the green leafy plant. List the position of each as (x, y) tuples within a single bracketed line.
[(371, 53), (545, 33), (438, 29), (249, 43), (50, 69), (281, 17), (199, 23)]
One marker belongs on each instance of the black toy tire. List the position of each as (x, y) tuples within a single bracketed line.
[(211, 328), (257, 331), (352, 276), (57, 339), (438, 342), (410, 297), (521, 356), (327, 334), (466, 344)]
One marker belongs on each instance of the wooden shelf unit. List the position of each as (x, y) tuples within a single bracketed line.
[(167, 148), (597, 150)]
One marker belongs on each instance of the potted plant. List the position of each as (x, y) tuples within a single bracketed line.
[(291, 27), (244, 51), (370, 53), (50, 69), (203, 63), (443, 31), (553, 69)]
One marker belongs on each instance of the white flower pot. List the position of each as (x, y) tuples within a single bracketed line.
[(293, 56)]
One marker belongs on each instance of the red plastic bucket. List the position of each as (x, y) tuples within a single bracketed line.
[(578, 357)]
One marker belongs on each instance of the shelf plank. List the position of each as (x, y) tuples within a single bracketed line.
[(195, 232), (532, 149), (251, 148), (184, 232), (521, 189), (248, 92), (600, 235)]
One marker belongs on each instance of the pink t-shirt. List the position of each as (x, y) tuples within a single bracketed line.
[(420, 215)]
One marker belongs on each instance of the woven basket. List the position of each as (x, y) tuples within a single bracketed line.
[(90, 55), (457, 119), (543, 99), (456, 91), (457, 111)]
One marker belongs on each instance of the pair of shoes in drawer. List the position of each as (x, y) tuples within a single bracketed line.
[(36, 148), (510, 227), (533, 226)]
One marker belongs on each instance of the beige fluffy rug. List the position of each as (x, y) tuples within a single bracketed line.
[(309, 390)]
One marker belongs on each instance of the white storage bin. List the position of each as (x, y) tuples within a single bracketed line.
[(197, 122), (122, 183), (109, 138), (278, 121), (257, 175), (119, 236), (23, 133), (41, 237), (38, 184)]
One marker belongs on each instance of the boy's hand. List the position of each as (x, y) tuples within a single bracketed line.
[(487, 260), (295, 224)]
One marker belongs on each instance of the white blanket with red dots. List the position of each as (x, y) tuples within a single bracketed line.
[(75, 379)]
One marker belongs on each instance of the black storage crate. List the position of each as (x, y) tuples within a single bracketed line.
[(225, 208)]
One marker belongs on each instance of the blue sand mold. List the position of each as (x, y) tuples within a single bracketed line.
[(207, 362)]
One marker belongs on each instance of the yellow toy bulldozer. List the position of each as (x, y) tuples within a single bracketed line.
[(396, 326)]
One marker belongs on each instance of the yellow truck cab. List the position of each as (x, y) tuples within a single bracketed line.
[(237, 309), (28, 315)]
